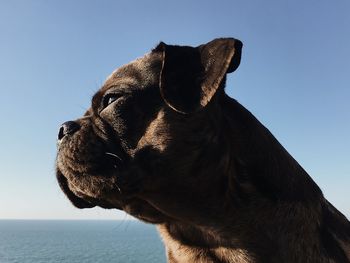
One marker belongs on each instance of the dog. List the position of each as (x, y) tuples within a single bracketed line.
[(163, 142)]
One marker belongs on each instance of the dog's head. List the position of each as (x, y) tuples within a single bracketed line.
[(150, 133)]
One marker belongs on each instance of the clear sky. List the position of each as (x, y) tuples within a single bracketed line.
[(294, 77)]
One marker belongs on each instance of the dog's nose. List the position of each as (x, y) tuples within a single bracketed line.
[(69, 127)]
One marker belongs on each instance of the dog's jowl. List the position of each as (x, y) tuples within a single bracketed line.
[(163, 142)]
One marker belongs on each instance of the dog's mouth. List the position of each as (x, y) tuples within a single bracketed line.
[(92, 173), (88, 172)]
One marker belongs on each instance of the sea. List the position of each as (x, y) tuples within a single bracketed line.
[(79, 241)]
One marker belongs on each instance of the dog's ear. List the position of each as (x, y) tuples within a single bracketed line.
[(190, 76)]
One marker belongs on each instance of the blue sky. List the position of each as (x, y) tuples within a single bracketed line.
[(294, 77)]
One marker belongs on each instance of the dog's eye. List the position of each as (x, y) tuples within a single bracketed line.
[(109, 99)]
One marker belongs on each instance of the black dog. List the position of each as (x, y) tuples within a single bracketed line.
[(163, 142)]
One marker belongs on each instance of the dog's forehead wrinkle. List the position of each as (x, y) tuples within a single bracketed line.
[(142, 71), (118, 83)]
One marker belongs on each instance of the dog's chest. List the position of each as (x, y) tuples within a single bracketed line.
[(177, 252)]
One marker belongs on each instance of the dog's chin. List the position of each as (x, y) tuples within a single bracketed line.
[(134, 206), (82, 199), (75, 200)]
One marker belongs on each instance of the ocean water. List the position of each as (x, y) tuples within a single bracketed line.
[(79, 241)]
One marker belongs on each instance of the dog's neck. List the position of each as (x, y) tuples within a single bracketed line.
[(275, 212)]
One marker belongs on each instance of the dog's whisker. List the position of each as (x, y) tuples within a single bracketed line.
[(115, 167), (114, 155), (118, 188)]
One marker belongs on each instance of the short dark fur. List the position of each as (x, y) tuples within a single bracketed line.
[(163, 142)]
